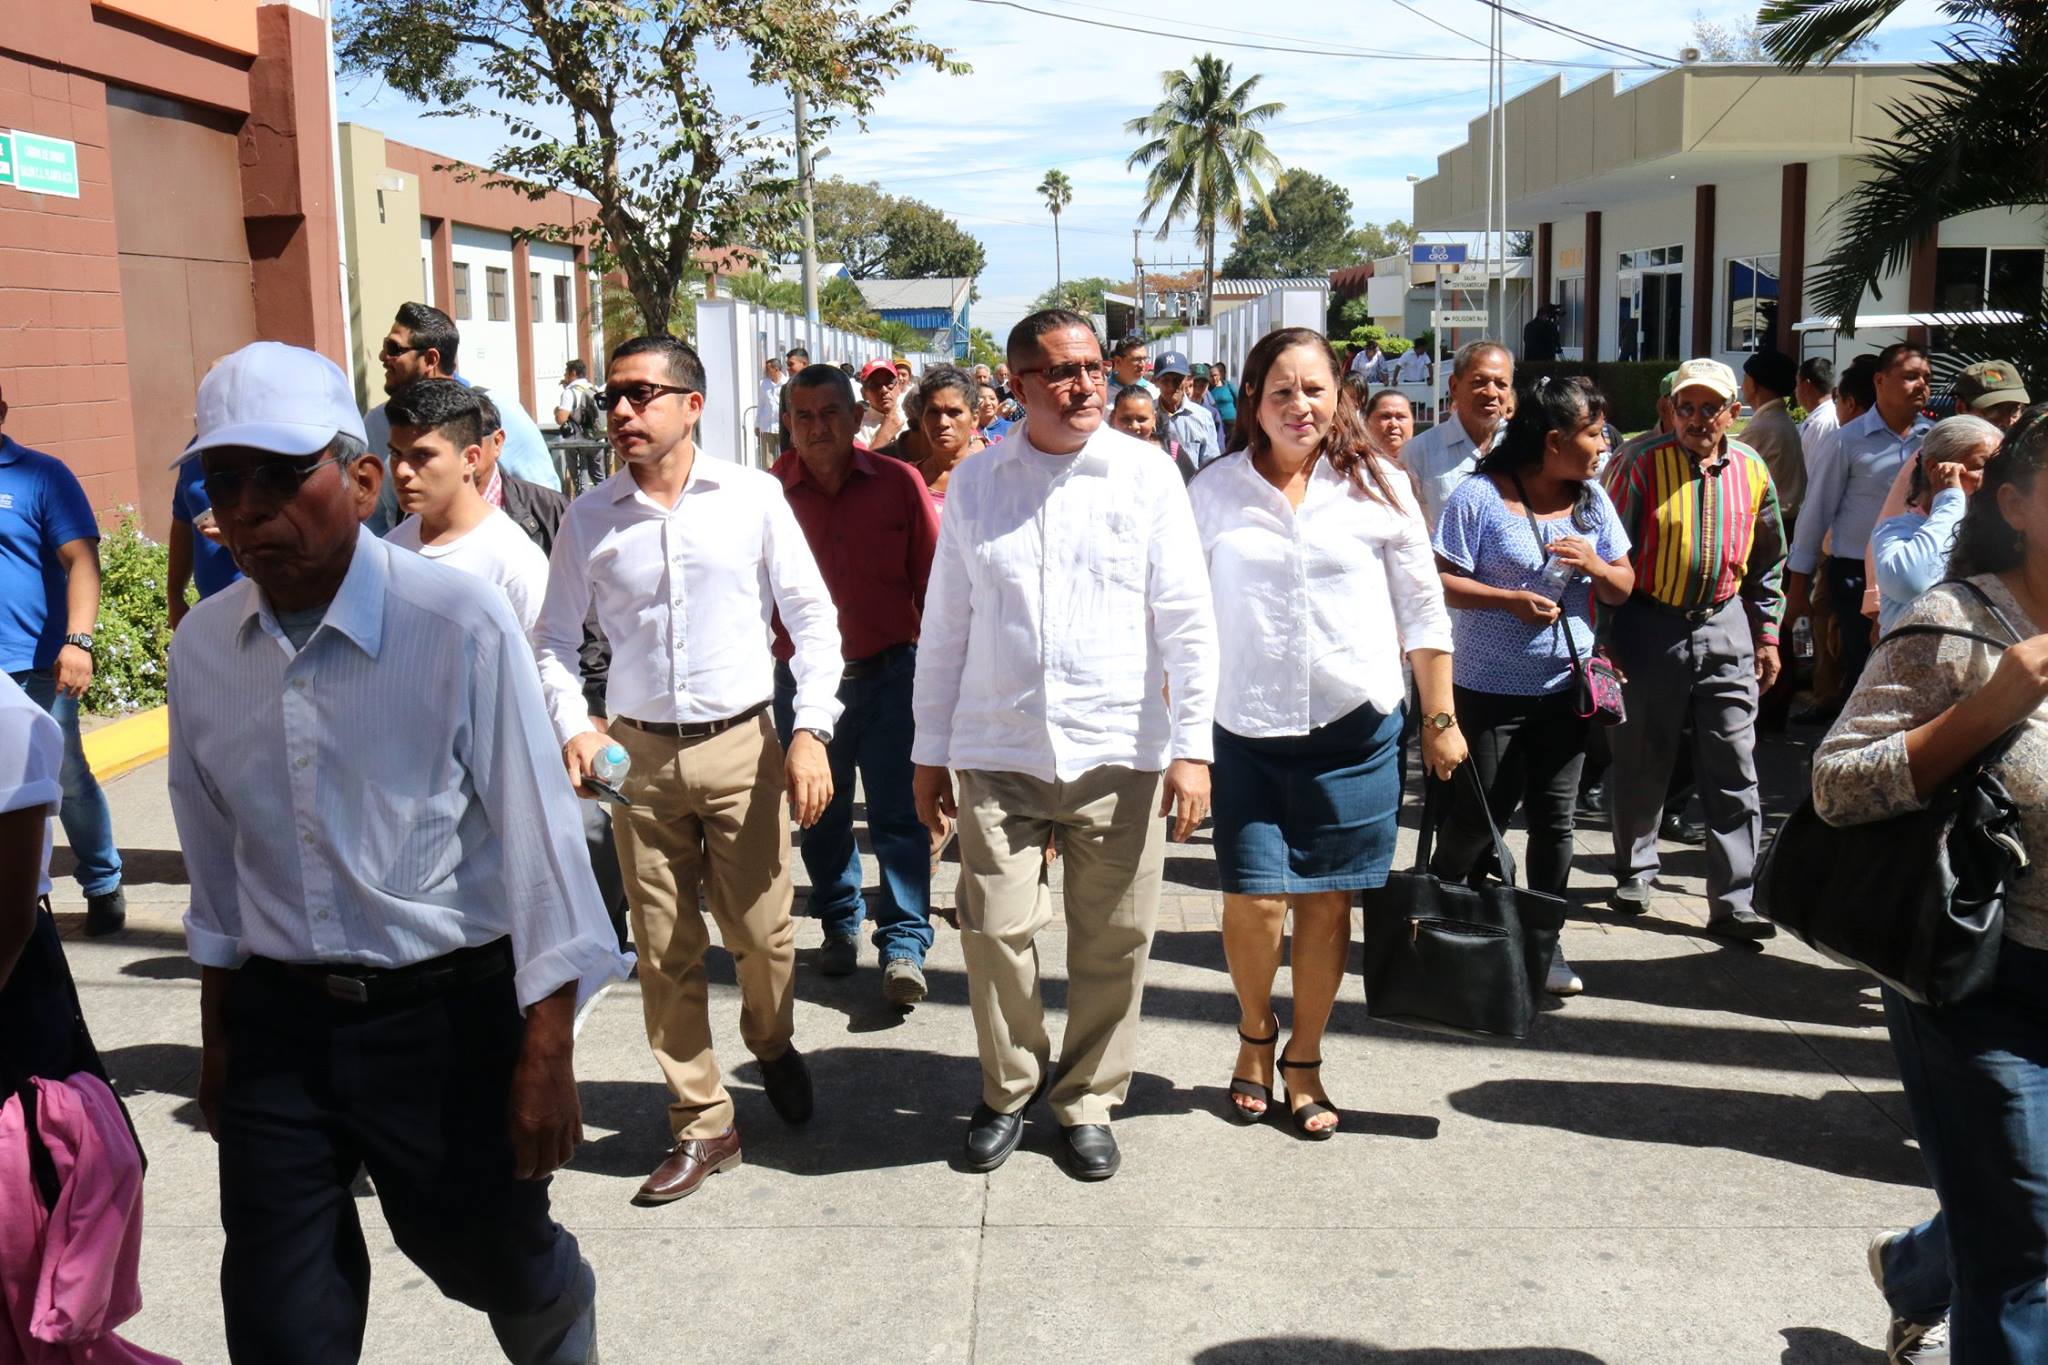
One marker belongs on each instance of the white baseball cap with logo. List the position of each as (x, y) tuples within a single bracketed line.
[(1704, 374), (268, 396)]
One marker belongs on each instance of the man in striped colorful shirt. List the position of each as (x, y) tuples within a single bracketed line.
[(1698, 640)]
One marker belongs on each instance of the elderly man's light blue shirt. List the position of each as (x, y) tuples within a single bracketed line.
[(1439, 459), (1849, 474)]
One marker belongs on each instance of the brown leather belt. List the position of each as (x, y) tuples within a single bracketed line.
[(873, 664), (669, 729), (370, 986)]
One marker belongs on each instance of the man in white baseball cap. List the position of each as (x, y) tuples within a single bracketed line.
[(1697, 640), (391, 907)]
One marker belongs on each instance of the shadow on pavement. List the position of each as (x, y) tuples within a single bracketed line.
[(157, 866), (1338, 1351), (1770, 986), (1819, 1346), (1215, 1100), (171, 967), (1834, 1133), (158, 1069)]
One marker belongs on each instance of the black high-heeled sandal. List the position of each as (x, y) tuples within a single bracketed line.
[(1252, 1090), (1313, 1109)]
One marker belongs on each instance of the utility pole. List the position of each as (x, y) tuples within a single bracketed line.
[(1138, 266), (803, 175)]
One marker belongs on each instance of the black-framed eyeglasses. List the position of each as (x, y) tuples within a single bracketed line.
[(275, 482), (639, 395), (394, 349), (1060, 376), (1706, 410)]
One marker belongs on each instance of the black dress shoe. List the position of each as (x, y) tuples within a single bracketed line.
[(106, 914), (991, 1137), (839, 957), (1631, 896), (1593, 800), (1679, 830), (1090, 1151), (1747, 925), (788, 1083)]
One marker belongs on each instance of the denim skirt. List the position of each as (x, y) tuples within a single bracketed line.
[(1313, 812)]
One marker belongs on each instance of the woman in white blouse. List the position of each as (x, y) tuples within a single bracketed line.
[(1323, 575)]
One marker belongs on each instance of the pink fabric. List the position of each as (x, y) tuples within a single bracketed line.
[(67, 1275)]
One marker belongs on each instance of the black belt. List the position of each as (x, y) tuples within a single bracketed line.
[(873, 664), (368, 986), (1697, 615), (669, 729)]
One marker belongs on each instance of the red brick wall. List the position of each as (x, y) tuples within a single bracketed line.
[(63, 347)]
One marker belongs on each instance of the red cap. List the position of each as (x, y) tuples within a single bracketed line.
[(875, 367)]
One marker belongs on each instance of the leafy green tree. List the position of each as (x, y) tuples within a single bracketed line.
[(1374, 240), (1309, 233), (1058, 192), (982, 348), (925, 244), (901, 337), (1083, 295), (1973, 135), (841, 304), (607, 99), (1206, 154), (849, 218)]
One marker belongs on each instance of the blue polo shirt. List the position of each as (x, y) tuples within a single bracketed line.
[(213, 567), (42, 507)]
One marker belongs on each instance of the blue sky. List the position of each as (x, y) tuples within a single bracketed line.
[(1050, 91)]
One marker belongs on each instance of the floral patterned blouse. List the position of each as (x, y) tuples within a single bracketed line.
[(1860, 772)]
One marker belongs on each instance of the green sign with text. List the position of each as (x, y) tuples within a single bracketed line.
[(36, 164)]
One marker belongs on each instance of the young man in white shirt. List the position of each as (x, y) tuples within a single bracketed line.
[(1068, 599), (391, 911), (687, 556), (436, 446), (768, 412)]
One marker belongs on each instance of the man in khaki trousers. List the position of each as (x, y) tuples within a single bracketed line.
[(1067, 593), (687, 557)]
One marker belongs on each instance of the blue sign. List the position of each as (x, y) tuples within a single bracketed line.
[(1437, 253)]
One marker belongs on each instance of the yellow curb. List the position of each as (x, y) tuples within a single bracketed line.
[(129, 743)]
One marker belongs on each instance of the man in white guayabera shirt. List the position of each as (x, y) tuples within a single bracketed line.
[(1067, 595)]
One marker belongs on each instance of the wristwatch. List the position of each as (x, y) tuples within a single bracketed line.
[(817, 734), (1441, 721), (83, 639)]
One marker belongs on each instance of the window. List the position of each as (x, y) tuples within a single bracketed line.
[(462, 310), (1649, 289), (426, 281), (535, 313), (1967, 278), (1652, 258), (1571, 302), (563, 312), (497, 293), (1752, 302)]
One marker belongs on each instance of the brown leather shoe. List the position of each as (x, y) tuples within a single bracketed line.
[(689, 1164)]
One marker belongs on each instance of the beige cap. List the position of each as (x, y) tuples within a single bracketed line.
[(1704, 374)]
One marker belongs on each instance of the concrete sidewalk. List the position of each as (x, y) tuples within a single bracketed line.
[(1684, 1165)]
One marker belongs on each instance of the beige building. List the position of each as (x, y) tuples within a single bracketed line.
[(1683, 216), (414, 230)]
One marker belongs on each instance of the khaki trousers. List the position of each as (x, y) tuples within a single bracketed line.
[(710, 812), (1114, 846)]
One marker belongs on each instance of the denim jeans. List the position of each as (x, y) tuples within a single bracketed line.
[(1976, 1083), (873, 736), (88, 825)]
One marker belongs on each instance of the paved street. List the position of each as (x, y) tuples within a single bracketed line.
[(1682, 1166)]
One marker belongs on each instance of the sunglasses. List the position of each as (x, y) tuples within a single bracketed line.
[(393, 350), (1707, 410), (1060, 376), (639, 395), (275, 482)]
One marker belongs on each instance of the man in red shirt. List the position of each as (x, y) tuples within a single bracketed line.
[(872, 529)]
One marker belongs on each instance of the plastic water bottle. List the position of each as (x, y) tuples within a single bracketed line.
[(1802, 639), (1555, 577), (609, 767)]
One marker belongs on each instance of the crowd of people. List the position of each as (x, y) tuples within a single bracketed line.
[(998, 600)]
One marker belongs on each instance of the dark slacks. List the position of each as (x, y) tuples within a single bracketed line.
[(1528, 752), (415, 1094), (1846, 581)]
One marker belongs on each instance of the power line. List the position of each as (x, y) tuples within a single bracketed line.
[(1566, 31), (1367, 53)]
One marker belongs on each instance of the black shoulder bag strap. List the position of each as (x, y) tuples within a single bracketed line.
[(1561, 624)]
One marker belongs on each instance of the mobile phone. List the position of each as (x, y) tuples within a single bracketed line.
[(606, 792)]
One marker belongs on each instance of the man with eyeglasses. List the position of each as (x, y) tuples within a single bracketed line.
[(422, 344), (390, 910), (1697, 640), (687, 557), (1068, 602), (49, 612)]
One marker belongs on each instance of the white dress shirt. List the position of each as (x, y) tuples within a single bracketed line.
[(31, 762), (1319, 602), (386, 795), (685, 595), (1818, 423), (1412, 368), (494, 549), (768, 412), (1439, 459), (1066, 592)]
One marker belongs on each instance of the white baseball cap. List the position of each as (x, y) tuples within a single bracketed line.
[(277, 398), (1704, 374)]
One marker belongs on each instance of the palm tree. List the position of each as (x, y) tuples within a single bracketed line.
[(1206, 155), (1058, 192), (1974, 135)]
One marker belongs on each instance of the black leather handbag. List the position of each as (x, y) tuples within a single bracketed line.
[(1917, 901), (1450, 957)]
